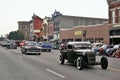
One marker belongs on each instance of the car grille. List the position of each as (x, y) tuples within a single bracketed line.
[(33, 50), (91, 58)]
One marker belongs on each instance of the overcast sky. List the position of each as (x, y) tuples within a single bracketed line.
[(12, 11)]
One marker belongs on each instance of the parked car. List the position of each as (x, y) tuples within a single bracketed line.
[(4, 43), (45, 46), (96, 47), (104, 49), (30, 47), (11, 45), (22, 43), (55, 46), (112, 50), (81, 54)]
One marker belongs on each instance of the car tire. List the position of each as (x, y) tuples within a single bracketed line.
[(49, 50), (22, 52), (104, 63), (62, 59), (79, 63), (39, 53)]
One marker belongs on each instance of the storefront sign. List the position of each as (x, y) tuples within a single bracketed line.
[(77, 33)]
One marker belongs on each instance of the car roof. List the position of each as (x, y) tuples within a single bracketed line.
[(30, 42), (72, 43)]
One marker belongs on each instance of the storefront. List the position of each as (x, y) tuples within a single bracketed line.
[(92, 33), (115, 36)]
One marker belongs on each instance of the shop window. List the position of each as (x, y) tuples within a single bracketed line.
[(78, 39), (69, 40), (90, 40), (98, 40)]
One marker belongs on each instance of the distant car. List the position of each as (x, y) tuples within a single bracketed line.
[(96, 46), (22, 43), (11, 45), (54, 46), (30, 47), (112, 50), (4, 43), (105, 48), (45, 46), (81, 54)]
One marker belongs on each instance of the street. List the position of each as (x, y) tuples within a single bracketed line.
[(17, 66)]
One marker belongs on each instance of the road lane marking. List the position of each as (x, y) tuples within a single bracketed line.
[(20, 56), (114, 69), (55, 73)]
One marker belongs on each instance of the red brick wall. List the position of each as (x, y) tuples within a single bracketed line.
[(114, 6), (38, 25), (95, 31), (66, 34)]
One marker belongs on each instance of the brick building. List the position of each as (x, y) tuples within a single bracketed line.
[(32, 29), (38, 27), (94, 33), (23, 27), (59, 21), (114, 20)]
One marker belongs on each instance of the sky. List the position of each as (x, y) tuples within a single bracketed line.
[(12, 11)]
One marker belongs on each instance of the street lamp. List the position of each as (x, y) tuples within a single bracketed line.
[(84, 33)]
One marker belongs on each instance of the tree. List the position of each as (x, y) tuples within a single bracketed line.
[(15, 35)]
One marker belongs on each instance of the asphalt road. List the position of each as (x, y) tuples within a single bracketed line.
[(17, 66)]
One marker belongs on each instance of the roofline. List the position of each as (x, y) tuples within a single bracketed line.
[(84, 17), (23, 21)]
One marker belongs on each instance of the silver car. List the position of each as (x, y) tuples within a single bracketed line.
[(30, 47)]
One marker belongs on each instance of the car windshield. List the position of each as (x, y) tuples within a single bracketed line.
[(31, 44), (40, 44), (46, 43), (82, 46)]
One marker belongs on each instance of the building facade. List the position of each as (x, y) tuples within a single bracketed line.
[(24, 28), (31, 30), (114, 20), (45, 29), (50, 29), (59, 21), (38, 27), (92, 33)]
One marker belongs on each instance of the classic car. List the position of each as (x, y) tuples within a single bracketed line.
[(30, 47), (45, 46), (11, 45), (81, 54)]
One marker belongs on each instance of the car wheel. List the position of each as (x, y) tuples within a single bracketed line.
[(104, 63), (22, 52), (62, 60), (79, 63), (39, 53), (49, 50)]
